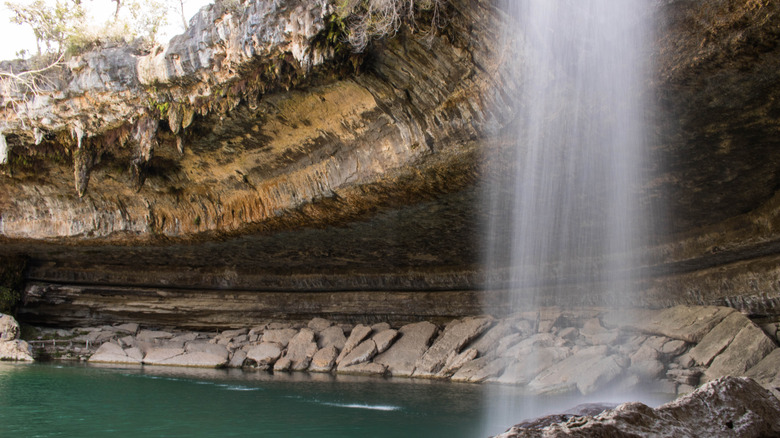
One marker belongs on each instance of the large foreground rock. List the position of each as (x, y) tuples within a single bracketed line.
[(455, 336), (12, 348), (408, 349), (727, 407), (110, 352)]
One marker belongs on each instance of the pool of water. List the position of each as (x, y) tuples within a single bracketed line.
[(69, 400)]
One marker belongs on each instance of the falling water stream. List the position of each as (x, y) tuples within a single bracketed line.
[(569, 205), (565, 219)]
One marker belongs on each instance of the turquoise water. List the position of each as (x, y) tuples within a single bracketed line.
[(56, 400)]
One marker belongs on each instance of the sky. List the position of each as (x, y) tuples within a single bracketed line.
[(14, 38)]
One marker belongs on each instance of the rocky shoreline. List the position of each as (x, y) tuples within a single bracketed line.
[(549, 351)]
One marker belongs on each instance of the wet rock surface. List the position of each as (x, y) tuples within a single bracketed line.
[(729, 406)]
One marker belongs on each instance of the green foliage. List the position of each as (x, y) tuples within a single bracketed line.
[(62, 26), (52, 24), (11, 283), (9, 299)]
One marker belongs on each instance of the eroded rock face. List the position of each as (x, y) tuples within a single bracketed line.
[(336, 171)]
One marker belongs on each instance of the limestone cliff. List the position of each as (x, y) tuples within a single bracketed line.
[(259, 154)]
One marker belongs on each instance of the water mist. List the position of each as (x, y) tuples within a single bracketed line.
[(564, 214)]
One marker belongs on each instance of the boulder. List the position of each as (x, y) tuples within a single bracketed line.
[(282, 364), (9, 328), (488, 341), (362, 353), (333, 335), (206, 347), (301, 349), (356, 336), (686, 323), (324, 359), (767, 372), (129, 328), (365, 369), (408, 348), (479, 370), (237, 359), (195, 359), (455, 336), (379, 327), (264, 354), (319, 324), (152, 335), (714, 342), (586, 370), (110, 352), (185, 337), (384, 339), (157, 355), (279, 336), (17, 350), (527, 364), (727, 407), (747, 349), (456, 361)]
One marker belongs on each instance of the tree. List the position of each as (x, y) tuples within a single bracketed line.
[(51, 24)]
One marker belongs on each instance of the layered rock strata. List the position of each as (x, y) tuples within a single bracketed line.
[(256, 146)]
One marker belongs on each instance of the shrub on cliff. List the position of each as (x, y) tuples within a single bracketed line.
[(11, 283)]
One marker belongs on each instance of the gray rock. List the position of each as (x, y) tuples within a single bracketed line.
[(265, 354), (568, 333), (282, 364), (454, 338), (16, 350), (319, 324), (356, 336), (686, 323), (152, 335), (110, 352), (195, 359), (324, 359), (379, 327), (279, 336), (384, 339), (674, 347), (529, 362), (365, 369), (362, 353), (456, 361), (130, 328), (333, 335), (489, 341), (408, 348), (156, 355), (714, 342), (237, 359), (301, 349), (586, 370), (747, 349), (9, 328), (479, 370), (727, 407), (234, 333), (206, 347), (185, 337), (135, 353), (767, 372), (127, 341)]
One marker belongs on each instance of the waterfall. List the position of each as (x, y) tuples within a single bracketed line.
[(566, 216)]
